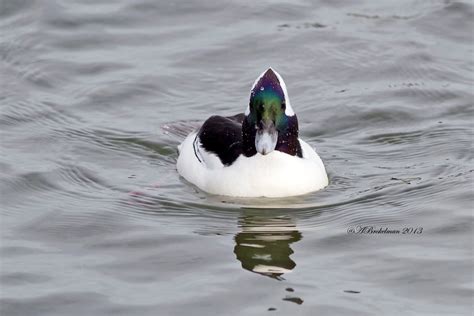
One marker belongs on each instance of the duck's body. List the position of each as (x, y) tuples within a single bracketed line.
[(253, 154), (273, 175)]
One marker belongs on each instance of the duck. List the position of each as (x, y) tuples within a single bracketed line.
[(257, 153)]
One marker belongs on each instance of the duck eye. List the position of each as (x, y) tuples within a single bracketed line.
[(283, 105)]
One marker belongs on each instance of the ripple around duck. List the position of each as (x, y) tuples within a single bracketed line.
[(81, 177), (28, 183), (41, 114), (67, 183), (152, 149), (320, 209), (138, 146), (314, 210), (434, 133)]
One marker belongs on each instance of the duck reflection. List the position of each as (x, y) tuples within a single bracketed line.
[(263, 245)]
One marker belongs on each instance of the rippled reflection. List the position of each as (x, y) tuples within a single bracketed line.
[(263, 245)]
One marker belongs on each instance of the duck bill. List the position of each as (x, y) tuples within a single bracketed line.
[(266, 138)]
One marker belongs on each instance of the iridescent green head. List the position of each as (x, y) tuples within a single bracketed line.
[(269, 111)]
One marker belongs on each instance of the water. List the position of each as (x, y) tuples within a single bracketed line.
[(94, 100)]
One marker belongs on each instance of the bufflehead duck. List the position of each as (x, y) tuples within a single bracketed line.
[(256, 153)]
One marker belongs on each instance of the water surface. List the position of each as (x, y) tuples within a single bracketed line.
[(95, 219)]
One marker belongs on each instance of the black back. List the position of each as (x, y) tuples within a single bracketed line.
[(223, 137), (230, 136)]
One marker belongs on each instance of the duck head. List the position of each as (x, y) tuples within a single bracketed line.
[(270, 123)]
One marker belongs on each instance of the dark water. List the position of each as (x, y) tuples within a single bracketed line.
[(95, 219)]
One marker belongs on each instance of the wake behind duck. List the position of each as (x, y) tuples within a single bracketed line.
[(254, 154)]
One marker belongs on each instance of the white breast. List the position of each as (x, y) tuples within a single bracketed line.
[(274, 175)]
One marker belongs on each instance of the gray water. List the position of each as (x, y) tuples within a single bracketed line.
[(96, 95)]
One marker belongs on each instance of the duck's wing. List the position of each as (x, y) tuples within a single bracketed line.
[(221, 136), (239, 118)]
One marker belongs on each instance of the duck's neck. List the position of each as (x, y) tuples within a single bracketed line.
[(248, 138), (287, 138)]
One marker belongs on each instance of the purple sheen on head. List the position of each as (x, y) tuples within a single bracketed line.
[(266, 84)]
